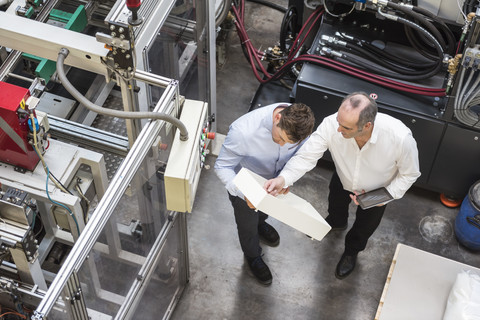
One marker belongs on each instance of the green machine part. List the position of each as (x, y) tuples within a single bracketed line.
[(76, 21)]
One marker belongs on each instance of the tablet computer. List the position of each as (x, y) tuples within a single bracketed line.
[(374, 198)]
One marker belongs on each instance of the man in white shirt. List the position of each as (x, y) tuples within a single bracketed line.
[(369, 151)]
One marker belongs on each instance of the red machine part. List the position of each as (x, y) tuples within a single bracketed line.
[(131, 4), (14, 146)]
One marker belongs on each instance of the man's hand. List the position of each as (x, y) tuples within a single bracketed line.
[(284, 190), (275, 186), (354, 197)]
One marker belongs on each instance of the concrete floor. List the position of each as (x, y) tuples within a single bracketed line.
[(304, 285)]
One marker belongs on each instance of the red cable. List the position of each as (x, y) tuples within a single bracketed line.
[(380, 80), (253, 56), (374, 75), (292, 51)]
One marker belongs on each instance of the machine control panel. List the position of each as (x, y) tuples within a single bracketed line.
[(187, 158)]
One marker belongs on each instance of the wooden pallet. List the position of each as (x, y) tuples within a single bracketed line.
[(387, 282)]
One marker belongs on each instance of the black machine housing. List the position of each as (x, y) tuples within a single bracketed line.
[(449, 151)]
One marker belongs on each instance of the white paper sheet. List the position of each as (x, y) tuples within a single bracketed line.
[(289, 208)]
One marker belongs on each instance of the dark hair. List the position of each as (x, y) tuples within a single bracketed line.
[(361, 99), (297, 121)]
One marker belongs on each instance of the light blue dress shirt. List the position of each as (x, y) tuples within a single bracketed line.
[(249, 144)]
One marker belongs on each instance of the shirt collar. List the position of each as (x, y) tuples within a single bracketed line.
[(374, 137)]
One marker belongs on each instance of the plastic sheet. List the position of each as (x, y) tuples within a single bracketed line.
[(464, 300)]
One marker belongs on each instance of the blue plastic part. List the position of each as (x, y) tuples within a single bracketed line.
[(37, 127), (467, 233)]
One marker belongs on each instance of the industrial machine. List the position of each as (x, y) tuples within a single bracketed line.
[(106, 109), (418, 59)]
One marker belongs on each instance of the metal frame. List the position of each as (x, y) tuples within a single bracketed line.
[(105, 208), (35, 37)]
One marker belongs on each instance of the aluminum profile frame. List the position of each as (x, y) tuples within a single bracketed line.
[(125, 173)]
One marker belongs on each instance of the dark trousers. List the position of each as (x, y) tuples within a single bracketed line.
[(247, 225), (366, 221)]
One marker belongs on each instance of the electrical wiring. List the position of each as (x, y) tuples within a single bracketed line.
[(35, 146), (47, 171), (61, 205), (82, 195), (12, 312), (467, 98)]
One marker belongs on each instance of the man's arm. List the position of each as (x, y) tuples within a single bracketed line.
[(274, 186), (408, 168), (303, 161), (228, 159)]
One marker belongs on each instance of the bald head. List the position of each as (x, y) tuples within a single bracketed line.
[(364, 105)]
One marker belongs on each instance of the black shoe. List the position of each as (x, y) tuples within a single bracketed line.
[(268, 234), (260, 270), (345, 266)]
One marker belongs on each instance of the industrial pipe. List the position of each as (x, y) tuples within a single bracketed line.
[(110, 112)]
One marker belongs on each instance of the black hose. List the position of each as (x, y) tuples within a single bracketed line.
[(269, 4), (448, 33), (406, 77), (289, 22), (401, 61), (469, 6), (417, 45), (428, 25), (396, 68)]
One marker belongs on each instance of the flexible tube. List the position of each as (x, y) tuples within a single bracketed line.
[(415, 26), (270, 4), (459, 89), (448, 33), (468, 97), (109, 112), (397, 68), (404, 62), (417, 45), (252, 56), (428, 25), (359, 73), (290, 17), (223, 13)]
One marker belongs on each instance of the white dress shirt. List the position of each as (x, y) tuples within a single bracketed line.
[(388, 159)]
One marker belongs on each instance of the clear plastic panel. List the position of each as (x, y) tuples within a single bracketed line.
[(180, 51), (162, 288), (121, 250)]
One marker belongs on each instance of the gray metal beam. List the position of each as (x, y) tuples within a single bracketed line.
[(84, 135), (45, 41)]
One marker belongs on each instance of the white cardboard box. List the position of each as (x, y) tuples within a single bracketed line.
[(287, 208)]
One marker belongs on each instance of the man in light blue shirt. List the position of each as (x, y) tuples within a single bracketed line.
[(262, 141)]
